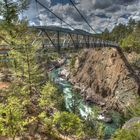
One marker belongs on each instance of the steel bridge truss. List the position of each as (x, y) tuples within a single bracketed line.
[(59, 38)]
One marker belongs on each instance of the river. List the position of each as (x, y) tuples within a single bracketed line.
[(84, 109)]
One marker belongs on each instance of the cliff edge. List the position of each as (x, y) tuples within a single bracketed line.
[(106, 78)]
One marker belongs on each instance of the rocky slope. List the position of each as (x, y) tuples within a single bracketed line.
[(106, 78)]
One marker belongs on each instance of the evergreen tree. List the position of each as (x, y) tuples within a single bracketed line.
[(68, 123), (10, 9), (119, 32), (132, 42), (132, 133), (18, 38), (131, 25), (106, 35), (25, 65), (13, 121)]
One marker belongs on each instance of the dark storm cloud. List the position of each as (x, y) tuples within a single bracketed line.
[(113, 8), (126, 16), (100, 13), (126, 1), (66, 11)]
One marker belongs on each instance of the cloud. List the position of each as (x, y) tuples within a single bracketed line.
[(33, 10), (101, 14)]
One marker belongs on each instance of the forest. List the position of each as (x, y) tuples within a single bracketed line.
[(32, 106)]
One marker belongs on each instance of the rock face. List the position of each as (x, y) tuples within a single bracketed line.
[(106, 75), (130, 124)]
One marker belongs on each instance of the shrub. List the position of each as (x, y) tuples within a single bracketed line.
[(128, 134), (68, 123)]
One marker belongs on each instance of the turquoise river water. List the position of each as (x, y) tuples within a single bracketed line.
[(84, 109)]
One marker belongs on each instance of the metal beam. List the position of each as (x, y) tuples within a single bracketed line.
[(63, 30), (58, 41), (39, 34), (72, 40), (50, 39), (87, 42)]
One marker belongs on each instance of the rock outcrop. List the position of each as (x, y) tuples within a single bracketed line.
[(131, 123), (106, 76)]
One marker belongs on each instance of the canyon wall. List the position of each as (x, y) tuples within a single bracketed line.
[(106, 78)]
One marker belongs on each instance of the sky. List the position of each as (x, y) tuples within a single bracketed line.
[(100, 14)]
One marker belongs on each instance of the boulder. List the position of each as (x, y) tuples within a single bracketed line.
[(130, 124), (105, 119), (64, 73)]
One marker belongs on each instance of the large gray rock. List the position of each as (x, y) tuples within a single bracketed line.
[(130, 124)]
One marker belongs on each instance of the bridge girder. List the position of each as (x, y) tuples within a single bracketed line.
[(61, 38)]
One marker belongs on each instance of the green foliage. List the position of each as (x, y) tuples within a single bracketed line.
[(49, 127), (60, 124), (132, 133), (127, 36), (89, 128), (118, 32), (51, 132), (12, 117), (127, 42), (72, 63), (128, 134), (117, 120), (68, 123), (18, 39), (46, 55), (93, 129), (51, 97), (133, 110), (53, 56), (25, 67), (116, 117), (75, 102), (47, 93), (13, 112), (132, 42), (131, 25), (9, 9), (100, 130), (106, 34)]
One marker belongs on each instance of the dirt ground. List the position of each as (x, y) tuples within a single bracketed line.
[(4, 85)]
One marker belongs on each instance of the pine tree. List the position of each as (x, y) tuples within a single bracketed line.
[(13, 121), (131, 25), (16, 35), (106, 34), (10, 9), (68, 123), (25, 64), (132, 42)]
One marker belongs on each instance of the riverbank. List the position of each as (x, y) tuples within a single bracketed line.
[(74, 102)]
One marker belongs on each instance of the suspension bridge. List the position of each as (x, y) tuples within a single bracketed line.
[(70, 37), (58, 37)]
